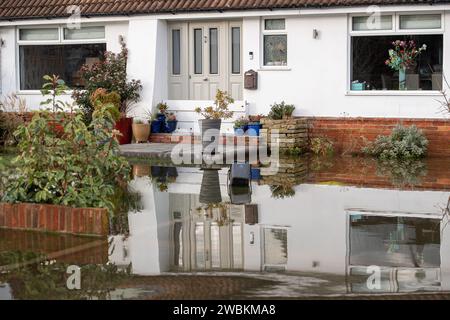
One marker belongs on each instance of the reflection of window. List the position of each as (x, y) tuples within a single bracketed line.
[(275, 246), (63, 60), (370, 72), (275, 42), (394, 241)]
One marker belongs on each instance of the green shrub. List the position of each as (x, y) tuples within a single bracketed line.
[(281, 110), (62, 161), (282, 192), (322, 146), (402, 143), (111, 101), (110, 74), (12, 109)]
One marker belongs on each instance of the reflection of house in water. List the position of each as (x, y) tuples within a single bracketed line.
[(333, 229)]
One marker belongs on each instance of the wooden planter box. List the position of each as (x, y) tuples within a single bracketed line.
[(52, 218)]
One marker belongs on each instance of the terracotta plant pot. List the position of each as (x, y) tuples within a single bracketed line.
[(124, 125), (141, 132), (141, 170)]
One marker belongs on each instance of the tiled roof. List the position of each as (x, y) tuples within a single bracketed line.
[(24, 9)]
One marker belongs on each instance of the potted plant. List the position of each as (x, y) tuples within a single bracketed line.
[(240, 126), (281, 110), (213, 115), (403, 57), (141, 130), (156, 124), (171, 122), (254, 125), (162, 108)]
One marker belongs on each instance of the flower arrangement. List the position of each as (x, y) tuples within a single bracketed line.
[(404, 54)]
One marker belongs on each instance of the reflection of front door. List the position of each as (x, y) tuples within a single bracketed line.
[(208, 57)]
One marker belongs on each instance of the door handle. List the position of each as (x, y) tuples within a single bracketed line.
[(205, 79)]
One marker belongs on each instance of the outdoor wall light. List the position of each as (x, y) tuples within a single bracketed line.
[(2, 42), (315, 33), (250, 55)]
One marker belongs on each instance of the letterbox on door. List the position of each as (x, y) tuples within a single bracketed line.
[(251, 80)]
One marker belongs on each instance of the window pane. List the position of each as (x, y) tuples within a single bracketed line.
[(176, 52), (200, 245), (420, 21), (63, 60), (38, 34), (213, 51), (370, 72), (274, 24), (236, 50), (275, 246), (84, 33), (371, 23), (275, 50), (198, 52), (237, 246)]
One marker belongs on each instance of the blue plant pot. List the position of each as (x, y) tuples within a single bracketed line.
[(161, 117), (156, 126), (255, 173), (239, 131), (253, 129), (171, 126)]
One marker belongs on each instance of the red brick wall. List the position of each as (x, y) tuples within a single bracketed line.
[(41, 217), (351, 134)]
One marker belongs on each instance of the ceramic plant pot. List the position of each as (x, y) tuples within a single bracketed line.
[(210, 131), (124, 125), (141, 132)]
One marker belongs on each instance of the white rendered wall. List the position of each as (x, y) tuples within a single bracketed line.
[(317, 76), (147, 44)]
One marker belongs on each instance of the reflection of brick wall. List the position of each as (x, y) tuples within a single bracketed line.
[(350, 134), (63, 248), (354, 172), (42, 217)]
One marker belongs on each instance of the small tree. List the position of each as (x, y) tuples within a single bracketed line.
[(220, 108), (109, 74)]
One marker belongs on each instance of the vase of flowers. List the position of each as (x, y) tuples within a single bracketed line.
[(402, 57)]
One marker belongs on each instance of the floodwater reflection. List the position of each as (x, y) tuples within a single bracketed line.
[(314, 228)]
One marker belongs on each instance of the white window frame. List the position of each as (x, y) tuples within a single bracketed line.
[(394, 31), (280, 32), (60, 41)]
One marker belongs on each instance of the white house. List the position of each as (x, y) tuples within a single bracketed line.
[(327, 57)]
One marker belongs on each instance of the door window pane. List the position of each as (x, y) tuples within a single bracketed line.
[(176, 52), (39, 34), (275, 50), (275, 246), (63, 60), (213, 51), (236, 50), (371, 23), (200, 245), (274, 24), (198, 52), (370, 72), (84, 33), (420, 21)]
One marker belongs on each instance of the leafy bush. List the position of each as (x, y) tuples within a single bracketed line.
[(281, 110), (282, 192), (100, 98), (76, 165), (110, 74), (12, 109), (220, 109), (402, 173), (322, 146), (402, 143)]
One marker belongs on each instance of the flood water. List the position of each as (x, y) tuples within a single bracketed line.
[(346, 227)]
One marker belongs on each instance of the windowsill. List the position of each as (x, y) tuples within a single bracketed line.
[(393, 93), (274, 68)]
